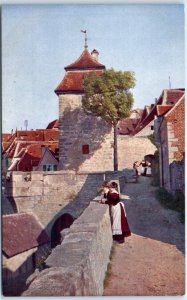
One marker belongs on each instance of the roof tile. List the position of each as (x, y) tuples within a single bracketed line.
[(22, 232), (85, 62), (73, 81)]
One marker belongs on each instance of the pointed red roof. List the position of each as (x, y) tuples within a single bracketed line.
[(53, 125), (163, 109), (73, 81), (85, 62)]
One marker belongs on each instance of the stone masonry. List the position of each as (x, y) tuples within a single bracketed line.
[(172, 148), (76, 267), (131, 149), (50, 194), (78, 129)]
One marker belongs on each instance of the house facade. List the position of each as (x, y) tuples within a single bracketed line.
[(22, 151), (172, 148), (170, 137), (24, 245)]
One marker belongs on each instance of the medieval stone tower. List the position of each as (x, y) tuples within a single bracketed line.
[(85, 142)]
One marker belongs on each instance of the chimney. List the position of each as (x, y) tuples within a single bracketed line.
[(95, 54)]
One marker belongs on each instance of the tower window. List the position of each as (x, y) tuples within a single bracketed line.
[(85, 149)]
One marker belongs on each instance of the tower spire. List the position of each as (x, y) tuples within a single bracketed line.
[(85, 39)]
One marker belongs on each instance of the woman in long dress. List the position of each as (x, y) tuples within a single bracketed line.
[(120, 227), (149, 173)]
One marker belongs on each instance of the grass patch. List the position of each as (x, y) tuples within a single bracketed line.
[(156, 180), (171, 201), (182, 217), (109, 267)]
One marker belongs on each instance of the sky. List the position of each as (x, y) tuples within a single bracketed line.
[(38, 41)]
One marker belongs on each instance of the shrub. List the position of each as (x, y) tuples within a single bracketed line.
[(172, 201), (182, 217), (156, 180)]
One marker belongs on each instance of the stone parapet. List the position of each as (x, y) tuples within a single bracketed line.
[(77, 267)]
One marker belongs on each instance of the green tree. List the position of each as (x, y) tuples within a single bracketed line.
[(109, 97)]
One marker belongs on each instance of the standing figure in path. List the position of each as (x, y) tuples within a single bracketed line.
[(120, 227), (135, 167), (144, 168), (149, 173)]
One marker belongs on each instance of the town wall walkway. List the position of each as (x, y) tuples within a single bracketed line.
[(151, 262), (77, 266)]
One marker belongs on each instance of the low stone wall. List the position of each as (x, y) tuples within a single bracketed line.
[(50, 194), (177, 171), (77, 267)]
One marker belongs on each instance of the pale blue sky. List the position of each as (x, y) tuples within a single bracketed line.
[(38, 41)]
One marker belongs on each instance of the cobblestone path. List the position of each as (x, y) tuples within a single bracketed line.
[(151, 261)]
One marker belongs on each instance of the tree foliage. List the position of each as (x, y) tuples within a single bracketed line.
[(109, 95)]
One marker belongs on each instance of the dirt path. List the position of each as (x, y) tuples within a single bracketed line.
[(151, 261)]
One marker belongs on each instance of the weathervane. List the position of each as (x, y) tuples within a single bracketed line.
[(85, 38)]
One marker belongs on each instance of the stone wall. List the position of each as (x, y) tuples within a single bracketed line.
[(177, 174), (165, 156), (77, 267), (147, 130), (50, 194), (78, 129), (133, 149), (176, 128), (172, 148)]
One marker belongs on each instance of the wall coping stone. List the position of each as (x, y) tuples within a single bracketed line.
[(77, 266)]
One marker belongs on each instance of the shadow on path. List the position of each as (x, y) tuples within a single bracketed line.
[(148, 218)]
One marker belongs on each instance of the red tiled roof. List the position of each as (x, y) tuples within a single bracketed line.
[(127, 126), (165, 102), (53, 124), (6, 137), (38, 135), (5, 146), (144, 114), (33, 155), (173, 96), (22, 232), (73, 81), (170, 96), (85, 62), (51, 135), (146, 120), (10, 151), (30, 158), (162, 109), (30, 135), (139, 111)]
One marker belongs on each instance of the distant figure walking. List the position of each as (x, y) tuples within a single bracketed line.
[(149, 172), (143, 168), (120, 227), (135, 167)]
